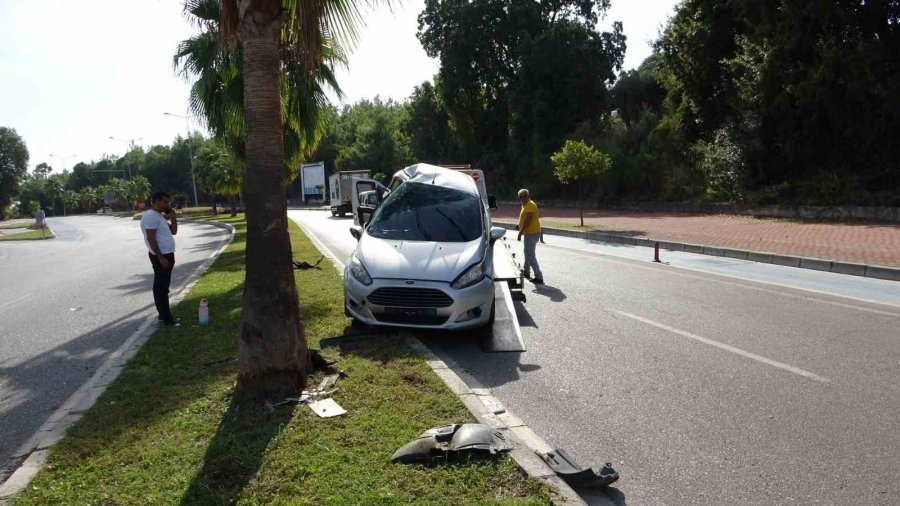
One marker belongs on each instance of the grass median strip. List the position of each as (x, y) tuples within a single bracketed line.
[(165, 431), (31, 235)]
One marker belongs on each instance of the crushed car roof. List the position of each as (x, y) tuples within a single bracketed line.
[(432, 174)]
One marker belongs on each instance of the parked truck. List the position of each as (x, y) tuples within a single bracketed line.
[(341, 190)]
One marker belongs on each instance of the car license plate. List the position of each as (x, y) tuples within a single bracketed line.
[(411, 311)]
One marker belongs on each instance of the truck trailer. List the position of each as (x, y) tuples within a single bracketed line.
[(341, 189)]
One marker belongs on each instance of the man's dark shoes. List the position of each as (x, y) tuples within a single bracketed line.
[(538, 281), (524, 274), (169, 322)]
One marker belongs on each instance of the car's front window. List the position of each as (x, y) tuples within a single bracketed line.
[(424, 212)]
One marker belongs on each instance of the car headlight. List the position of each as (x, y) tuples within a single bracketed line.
[(359, 272), (471, 276)]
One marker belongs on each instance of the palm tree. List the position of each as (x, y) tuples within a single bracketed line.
[(217, 92), (277, 55), (70, 199), (118, 188), (139, 189), (212, 163)]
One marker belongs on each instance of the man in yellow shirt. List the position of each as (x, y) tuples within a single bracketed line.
[(530, 227)]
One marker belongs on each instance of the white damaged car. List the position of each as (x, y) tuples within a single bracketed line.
[(425, 258)]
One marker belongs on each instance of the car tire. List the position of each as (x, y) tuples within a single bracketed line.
[(333, 213)]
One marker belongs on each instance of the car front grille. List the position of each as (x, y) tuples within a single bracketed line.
[(401, 296), (410, 319)]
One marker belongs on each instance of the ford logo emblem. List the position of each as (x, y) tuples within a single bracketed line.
[(410, 282)]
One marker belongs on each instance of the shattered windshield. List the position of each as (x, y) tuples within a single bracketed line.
[(424, 212)]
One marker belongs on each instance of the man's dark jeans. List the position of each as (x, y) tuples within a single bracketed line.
[(162, 278)]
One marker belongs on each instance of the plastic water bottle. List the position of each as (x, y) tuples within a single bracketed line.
[(203, 312)]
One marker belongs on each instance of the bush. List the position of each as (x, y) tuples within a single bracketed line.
[(722, 162)]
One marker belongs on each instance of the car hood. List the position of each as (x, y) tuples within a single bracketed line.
[(419, 260)]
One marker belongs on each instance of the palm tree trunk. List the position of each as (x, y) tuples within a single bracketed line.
[(272, 349), (231, 200)]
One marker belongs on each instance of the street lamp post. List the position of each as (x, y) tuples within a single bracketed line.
[(63, 158), (190, 150), (130, 144)]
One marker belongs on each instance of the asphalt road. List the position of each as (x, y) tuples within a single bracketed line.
[(66, 303), (700, 388)]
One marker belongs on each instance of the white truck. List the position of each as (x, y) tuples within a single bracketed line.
[(341, 190)]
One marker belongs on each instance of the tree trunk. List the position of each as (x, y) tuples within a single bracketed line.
[(215, 209), (231, 200), (272, 349), (581, 202)]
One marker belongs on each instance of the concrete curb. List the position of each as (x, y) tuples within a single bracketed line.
[(818, 264), (484, 407), (488, 410), (54, 428)]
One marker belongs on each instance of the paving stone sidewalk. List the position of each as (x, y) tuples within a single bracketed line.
[(865, 243)]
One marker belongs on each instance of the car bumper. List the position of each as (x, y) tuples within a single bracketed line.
[(470, 307)]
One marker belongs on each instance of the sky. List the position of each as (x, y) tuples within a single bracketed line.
[(73, 74)]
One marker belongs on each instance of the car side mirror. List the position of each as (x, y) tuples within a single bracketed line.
[(497, 232), (492, 202), (356, 232)]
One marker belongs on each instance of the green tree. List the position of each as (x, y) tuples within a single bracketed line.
[(13, 166), (806, 93), (139, 189), (514, 74), (55, 188), (370, 137), (71, 200), (43, 169), (212, 167), (119, 189), (90, 198), (577, 162), (279, 40), (427, 125)]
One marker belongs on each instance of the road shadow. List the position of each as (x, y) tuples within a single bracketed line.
[(169, 372), (217, 233), (479, 369), (143, 283), (235, 454), (552, 293), (523, 316), (609, 496), (42, 384)]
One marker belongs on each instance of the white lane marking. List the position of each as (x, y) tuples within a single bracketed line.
[(708, 276), (732, 349), (16, 301)]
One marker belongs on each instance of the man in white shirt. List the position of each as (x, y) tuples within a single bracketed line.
[(159, 226)]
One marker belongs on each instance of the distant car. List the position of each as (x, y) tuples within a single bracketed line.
[(426, 257)]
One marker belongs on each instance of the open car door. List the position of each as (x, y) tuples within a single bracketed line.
[(366, 196)]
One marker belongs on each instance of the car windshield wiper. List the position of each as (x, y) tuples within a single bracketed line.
[(452, 223)]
